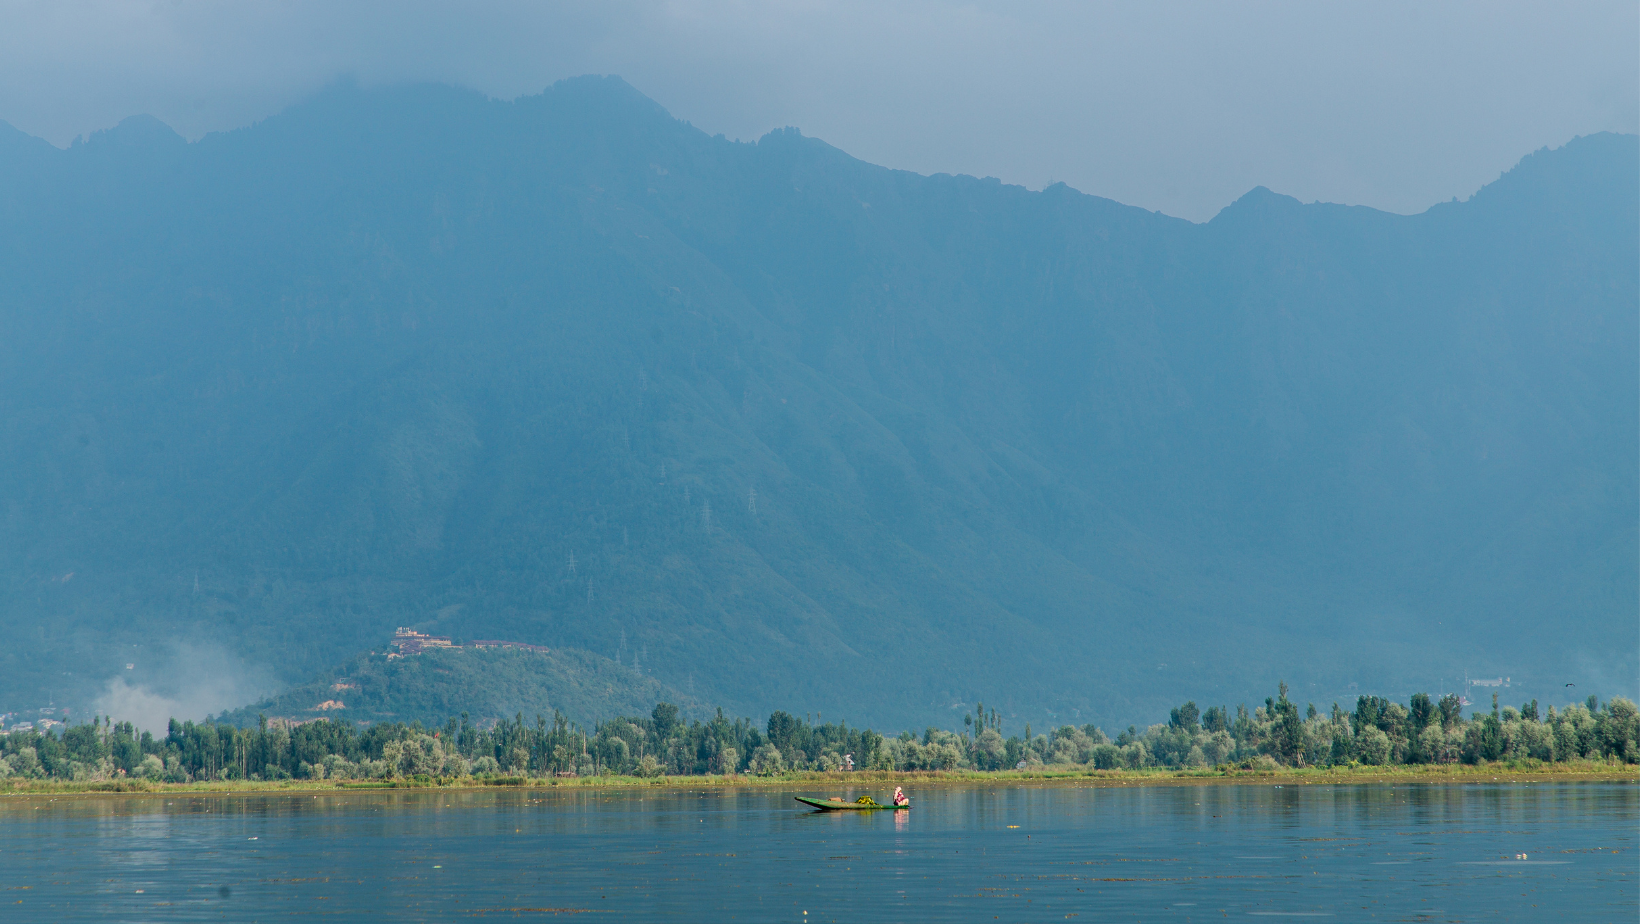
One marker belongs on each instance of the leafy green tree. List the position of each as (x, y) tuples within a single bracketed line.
[(1184, 717), (84, 744), (1216, 719), (1373, 746), (783, 730), (870, 744), (1421, 715), (1341, 750), (665, 717), (1287, 738), (1451, 708), (990, 751), (1421, 711), (767, 760), (1484, 740), (1623, 730)]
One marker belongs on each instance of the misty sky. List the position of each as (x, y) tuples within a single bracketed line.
[(1180, 107)]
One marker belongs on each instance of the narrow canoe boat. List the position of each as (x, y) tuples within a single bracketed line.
[(837, 805)]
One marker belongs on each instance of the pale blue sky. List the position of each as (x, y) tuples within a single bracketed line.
[(1180, 107)]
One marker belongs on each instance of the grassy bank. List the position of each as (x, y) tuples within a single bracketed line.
[(1522, 772)]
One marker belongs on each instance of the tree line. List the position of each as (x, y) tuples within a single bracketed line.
[(1377, 732)]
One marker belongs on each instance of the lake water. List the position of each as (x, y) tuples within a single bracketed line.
[(991, 853)]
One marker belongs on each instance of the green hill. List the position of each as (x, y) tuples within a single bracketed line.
[(484, 684), (800, 431)]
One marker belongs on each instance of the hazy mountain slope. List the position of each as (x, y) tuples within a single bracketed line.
[(485, 685), (394, 357)]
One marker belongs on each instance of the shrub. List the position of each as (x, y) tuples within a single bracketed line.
[(725, 761), (1106, 756), (766, 761), (1372, 747)]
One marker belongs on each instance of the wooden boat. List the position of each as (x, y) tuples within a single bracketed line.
[(838, 805)]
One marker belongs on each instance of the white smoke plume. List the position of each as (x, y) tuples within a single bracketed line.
[(192, 681)]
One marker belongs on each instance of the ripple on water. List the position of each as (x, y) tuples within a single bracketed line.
[(1135, 853)]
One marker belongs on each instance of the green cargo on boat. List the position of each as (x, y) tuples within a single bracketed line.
[(838, 805)]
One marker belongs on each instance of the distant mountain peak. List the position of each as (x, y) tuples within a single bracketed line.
[(138, 131), (1256, 202), (607, 93), (1264, 197), (1582, 170), (599, 85), (13, 138)]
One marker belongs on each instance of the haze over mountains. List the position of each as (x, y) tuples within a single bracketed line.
[(800, 432)]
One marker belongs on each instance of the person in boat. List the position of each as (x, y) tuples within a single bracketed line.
[(900, 797)]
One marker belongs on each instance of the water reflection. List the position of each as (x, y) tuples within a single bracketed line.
[(1028, 853)]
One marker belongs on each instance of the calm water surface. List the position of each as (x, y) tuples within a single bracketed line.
[(1014, 853)]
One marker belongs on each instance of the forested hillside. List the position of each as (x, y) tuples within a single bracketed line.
[(482, 684), (798, 430)]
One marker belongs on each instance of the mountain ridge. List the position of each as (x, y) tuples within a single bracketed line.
[(393, 356)]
